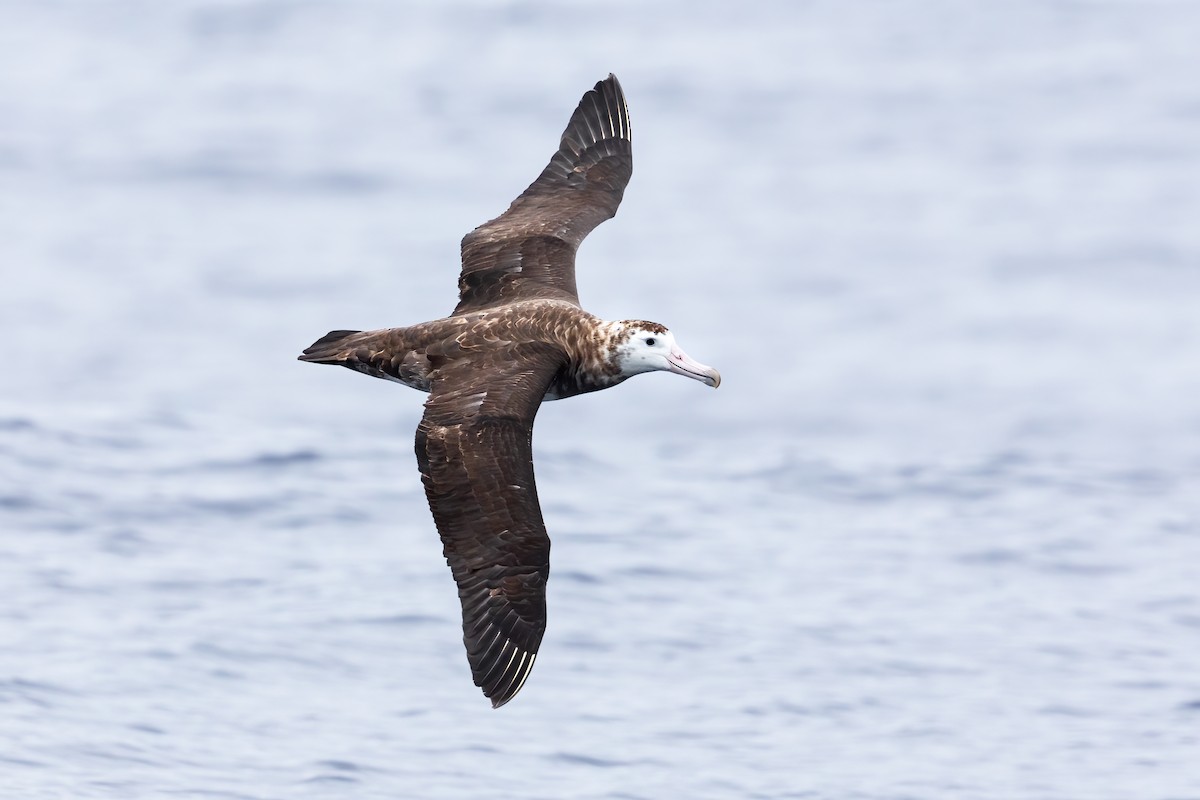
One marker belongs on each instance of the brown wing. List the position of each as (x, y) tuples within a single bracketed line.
[(528, 251), (474, 448)]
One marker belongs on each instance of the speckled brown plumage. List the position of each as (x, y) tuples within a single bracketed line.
[(516, 338)]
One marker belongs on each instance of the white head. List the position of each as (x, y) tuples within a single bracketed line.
[(641, 346)]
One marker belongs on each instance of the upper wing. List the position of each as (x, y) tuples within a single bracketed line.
[(474, 448), (529, 251)]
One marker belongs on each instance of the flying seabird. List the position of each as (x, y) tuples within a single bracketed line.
[(517, 337)]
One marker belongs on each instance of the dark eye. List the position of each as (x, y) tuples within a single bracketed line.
[(650, 341)]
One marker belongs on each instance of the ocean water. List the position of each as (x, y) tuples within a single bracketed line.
[(937, 535)]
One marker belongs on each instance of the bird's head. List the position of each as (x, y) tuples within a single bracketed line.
[(641, 346)]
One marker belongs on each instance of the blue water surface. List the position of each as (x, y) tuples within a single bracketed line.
[(936, 536)]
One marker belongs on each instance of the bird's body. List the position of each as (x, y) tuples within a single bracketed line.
[(518, 337), (408, 355)]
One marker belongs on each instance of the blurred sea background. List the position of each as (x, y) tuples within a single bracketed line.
[(936, 536)]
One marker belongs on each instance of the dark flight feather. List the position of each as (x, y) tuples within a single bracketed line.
[(474, 448), (528, 252)]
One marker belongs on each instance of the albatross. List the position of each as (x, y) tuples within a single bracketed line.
[(517, 337)]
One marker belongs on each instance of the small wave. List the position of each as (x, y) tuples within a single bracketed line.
[(577, 576), (330, 779), (17, 502), (224, 174), (255, 462), (586, 760), (401, 620)]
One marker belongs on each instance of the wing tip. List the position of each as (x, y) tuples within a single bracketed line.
[(501, 658), (513, 685), (602, 114)]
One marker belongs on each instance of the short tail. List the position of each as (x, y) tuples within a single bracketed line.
[(332, 348)]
